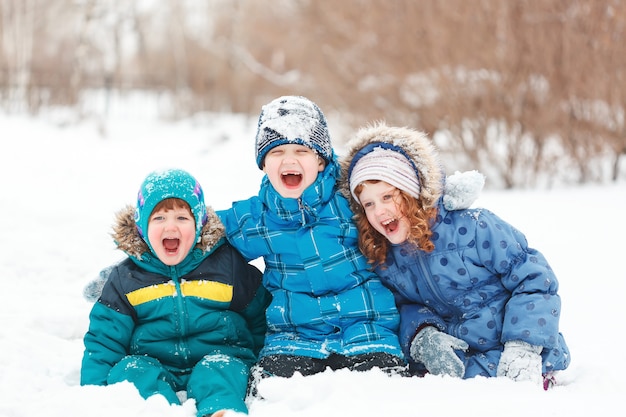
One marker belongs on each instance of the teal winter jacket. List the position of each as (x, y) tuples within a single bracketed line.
[(211, 303)]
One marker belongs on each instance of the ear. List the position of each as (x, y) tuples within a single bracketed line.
[(321, 164)]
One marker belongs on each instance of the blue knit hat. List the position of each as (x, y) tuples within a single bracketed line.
[(171, 183), (292, 120)]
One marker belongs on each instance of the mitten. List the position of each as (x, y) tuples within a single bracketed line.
[(520, 361), (93, 289), (435, 350), (462, 189)]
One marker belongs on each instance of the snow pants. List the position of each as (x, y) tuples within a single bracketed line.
[(217, 382), (286, 365)]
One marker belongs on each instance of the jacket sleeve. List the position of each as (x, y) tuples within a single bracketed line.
[(241, 216), (412, 318), (413, 315), (106, 343), (533, 310)]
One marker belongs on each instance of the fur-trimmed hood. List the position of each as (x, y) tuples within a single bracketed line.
[(458, 191), (127, 236)]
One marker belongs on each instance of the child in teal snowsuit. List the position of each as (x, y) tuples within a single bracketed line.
[(184, 311)]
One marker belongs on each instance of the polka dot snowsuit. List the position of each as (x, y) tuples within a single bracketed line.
[(482, 284)]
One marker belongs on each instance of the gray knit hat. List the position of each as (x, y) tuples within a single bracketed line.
[(292, 120)]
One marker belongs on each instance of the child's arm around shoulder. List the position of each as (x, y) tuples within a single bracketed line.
[(242, 219)]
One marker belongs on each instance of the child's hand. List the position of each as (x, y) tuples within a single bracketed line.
[(435, 350), (93, 289), (520, 361)]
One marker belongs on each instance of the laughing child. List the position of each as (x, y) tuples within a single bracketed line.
[(184, 311), (474, 298), (328, 309)]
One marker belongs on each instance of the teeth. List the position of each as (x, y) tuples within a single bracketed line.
[(386, 222)]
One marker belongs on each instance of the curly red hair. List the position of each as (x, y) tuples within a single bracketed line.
[(374, 245)]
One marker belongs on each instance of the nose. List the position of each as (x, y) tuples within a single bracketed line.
[(289, 158), (380, 209), (170, 224)]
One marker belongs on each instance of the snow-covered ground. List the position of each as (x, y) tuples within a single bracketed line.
[(59, 188)]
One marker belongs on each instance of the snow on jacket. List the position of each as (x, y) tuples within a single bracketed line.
[(211, 303), (324, 298), (482, 283)]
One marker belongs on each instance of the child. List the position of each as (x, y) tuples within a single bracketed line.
[(327, 309), (474, 299), (184, 311)]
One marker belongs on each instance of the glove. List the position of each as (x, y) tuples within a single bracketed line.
[(435, 350), (93, 289), (462, 189), (521, 361)]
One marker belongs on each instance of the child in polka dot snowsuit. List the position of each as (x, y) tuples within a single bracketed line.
[(474, 298)]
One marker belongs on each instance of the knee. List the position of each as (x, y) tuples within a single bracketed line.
[(221, 361), (148, 376)]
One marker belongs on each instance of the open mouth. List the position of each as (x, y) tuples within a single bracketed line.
[(291, 179), (390, 225), (171, 245)]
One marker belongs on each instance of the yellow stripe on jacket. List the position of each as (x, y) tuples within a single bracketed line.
[(209, 290)]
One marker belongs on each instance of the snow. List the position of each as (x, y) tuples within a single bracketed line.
[(62, 183)]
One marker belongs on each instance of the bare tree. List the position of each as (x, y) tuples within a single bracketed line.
[(528, 91), (18, 22)]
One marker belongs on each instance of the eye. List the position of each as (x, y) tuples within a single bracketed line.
[(156, 218), (388, 197), (368, 204)]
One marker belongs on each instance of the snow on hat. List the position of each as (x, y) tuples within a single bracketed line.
[(385, 162), (292, 120), (171, 183)]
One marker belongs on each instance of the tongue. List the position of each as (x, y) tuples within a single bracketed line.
[(292, 180), (170, 244), (392, 226)]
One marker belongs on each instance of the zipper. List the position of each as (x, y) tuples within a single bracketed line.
[(182, 311), (302, 210), (433, 287)]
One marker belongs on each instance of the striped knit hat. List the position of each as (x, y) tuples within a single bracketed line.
[(292, 120), (384, 162)]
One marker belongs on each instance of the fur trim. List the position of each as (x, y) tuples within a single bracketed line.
[(415, 143), (128, 240)]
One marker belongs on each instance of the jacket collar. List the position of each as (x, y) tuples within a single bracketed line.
[(305, 208)]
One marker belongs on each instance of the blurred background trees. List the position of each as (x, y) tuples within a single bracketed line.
[(529, 92)]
